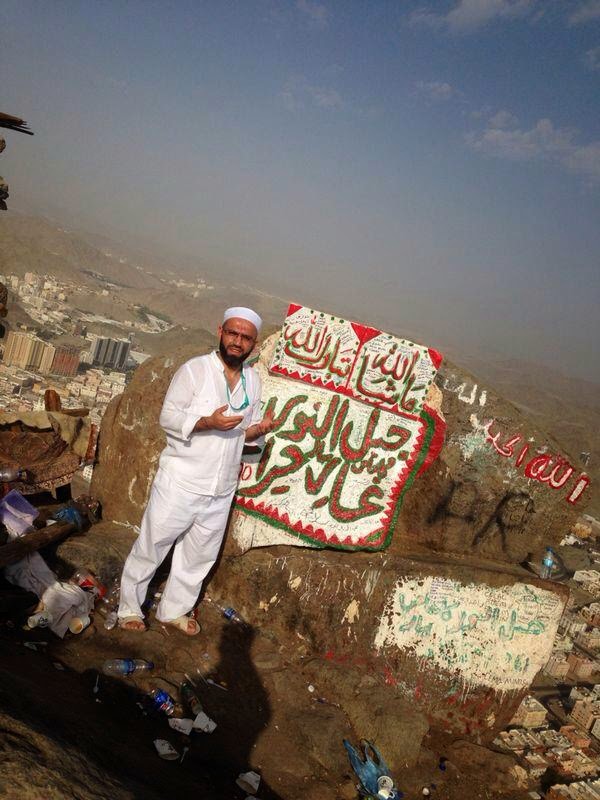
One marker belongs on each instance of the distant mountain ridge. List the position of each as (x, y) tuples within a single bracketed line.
[(37, 245)]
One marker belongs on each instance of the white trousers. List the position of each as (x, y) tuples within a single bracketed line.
[(196, 523)]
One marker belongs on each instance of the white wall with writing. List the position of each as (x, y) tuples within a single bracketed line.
[(494, 637)]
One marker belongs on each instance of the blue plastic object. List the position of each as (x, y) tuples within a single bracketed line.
[(69, 514), (374, 775)]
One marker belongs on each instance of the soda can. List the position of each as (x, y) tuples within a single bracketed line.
[(85, 580)]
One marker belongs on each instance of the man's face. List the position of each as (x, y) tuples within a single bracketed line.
[(237, 338)]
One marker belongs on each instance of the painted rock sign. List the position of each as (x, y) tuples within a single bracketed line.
[(353, 429), (498, 638)]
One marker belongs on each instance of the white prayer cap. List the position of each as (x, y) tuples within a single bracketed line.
[(243, 313)]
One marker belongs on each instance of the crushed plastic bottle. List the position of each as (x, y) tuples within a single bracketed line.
[(10, 474), (126, 666), (110, 620), (109, 604), (547, 563), (228, 612)]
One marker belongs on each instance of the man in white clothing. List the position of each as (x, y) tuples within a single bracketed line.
[(211, 409)]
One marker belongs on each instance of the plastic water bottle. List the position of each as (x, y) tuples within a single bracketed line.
[(547, 563), (162, 701), (228, 612), (126, 666), (110, 620), (9, 474), (109, 604)]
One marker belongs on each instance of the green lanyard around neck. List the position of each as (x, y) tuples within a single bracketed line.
[(246, 401)]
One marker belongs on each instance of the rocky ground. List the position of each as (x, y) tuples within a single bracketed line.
[(278, 713)]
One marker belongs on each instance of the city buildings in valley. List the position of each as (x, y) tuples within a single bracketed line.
[(111, 352), (530, 714)]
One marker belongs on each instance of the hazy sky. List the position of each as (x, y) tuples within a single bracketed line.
[(431, 166)]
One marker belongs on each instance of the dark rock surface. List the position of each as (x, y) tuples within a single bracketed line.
[(475, 500)]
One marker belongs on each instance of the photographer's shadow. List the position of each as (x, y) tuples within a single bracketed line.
[(241, 713)]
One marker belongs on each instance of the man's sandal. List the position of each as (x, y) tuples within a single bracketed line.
[(136, 624), (185, 624)]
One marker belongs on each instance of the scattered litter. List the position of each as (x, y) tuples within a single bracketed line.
[(248, 781), (230, 614), (166, 750), (189, 696), (151, 604), (311, 688), (60, 601), (204, 723), (183, 755), (108, 605), (182, 725), (426, 791), (96, 688), (126, 666), (41, 619), (86, 580), (34, 645), (11, 474), (57, 665), (111, 620), (17, 513), (68, 514), (79, 624), (162, 701), (211, 682), (374, 776)]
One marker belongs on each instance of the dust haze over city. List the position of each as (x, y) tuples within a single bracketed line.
[(407, 540), (430, 168)]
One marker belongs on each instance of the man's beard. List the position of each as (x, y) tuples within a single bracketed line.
[(230, 360)]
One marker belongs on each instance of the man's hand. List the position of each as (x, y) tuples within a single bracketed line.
[(266, 425), (218, 421)]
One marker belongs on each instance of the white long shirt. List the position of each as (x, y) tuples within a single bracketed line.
[(206, 462)]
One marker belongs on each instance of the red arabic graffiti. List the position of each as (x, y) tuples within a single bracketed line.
[(352, 431), (321, 448), (549, 468), (354, 360)]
